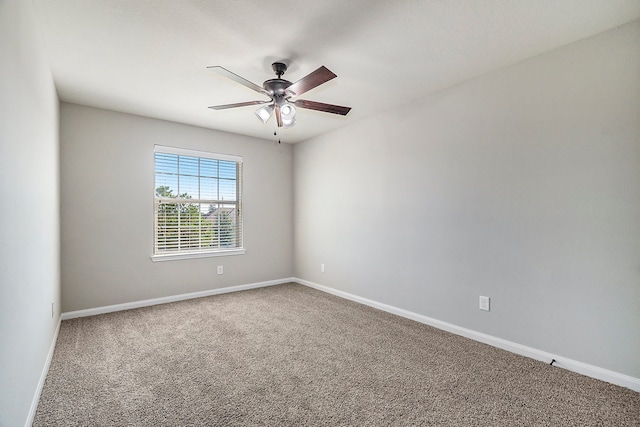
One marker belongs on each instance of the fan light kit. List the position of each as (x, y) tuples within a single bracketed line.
[(280, 92)]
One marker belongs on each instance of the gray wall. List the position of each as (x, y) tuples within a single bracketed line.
[(522, 185), (29, 214), (107, 186)]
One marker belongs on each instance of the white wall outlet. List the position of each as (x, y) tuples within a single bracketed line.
[(484, 303), (220, 269), (321, 268)]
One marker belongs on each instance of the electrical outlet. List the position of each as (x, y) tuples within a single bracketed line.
[(484, 303), (220, 269), (52, 310), (321, 268)]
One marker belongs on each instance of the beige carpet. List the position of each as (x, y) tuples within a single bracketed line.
[(289, 355)]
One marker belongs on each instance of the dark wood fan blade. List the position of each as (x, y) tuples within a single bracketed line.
[(314, 79), (236, 78), (321, 106), (239, 104), (278, 116)]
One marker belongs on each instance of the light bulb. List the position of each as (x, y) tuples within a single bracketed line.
[(288, 113)]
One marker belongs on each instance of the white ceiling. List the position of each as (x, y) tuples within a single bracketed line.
[(149, 57)]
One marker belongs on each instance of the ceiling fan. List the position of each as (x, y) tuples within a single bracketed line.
[(280, 92)]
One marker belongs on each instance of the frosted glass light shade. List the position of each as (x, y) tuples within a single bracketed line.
[(264, 113), (288, 113)]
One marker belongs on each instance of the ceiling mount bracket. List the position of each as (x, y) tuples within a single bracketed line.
[(279, 68)]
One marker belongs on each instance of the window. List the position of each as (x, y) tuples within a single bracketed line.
[(198, 204)]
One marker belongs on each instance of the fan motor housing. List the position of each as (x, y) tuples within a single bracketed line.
[(276, 87)]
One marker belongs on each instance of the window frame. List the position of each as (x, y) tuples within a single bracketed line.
[(199, 253)]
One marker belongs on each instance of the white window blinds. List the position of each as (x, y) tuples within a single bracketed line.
[(198, 203)]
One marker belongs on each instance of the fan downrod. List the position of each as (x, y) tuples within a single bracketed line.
[(279, 68)]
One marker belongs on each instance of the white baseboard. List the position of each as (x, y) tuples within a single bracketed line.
[(172, 298), (43, 377), (561, 362)]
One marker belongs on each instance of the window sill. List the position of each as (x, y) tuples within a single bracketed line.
[(173, 257)]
